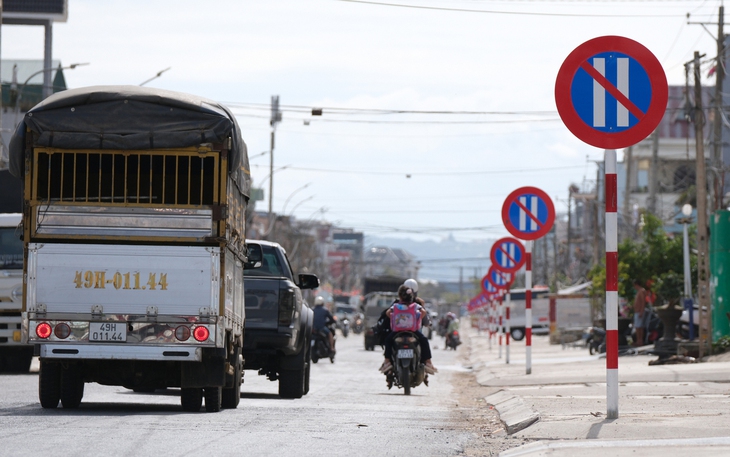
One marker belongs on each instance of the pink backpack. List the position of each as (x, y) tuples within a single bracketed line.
[(405, 318)]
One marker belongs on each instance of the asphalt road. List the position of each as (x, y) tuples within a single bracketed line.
[(348, 411)]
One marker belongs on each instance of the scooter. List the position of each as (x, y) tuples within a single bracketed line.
[(453, 340), (358, 324), (408, 371)]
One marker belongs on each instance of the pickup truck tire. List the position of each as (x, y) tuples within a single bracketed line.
[(49, 384), (72, 387), (17, 363), (517, 333), (291, 383), (191, 399), (307, 369), (213, 399)]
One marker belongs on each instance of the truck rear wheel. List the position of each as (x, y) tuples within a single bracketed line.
[(213, 399), (72, 387), (191, 399), (232, 396), (49, 384)]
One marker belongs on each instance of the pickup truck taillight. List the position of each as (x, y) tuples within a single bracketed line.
[(287, 302)]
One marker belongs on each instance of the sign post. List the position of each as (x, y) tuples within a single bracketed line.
[(528, 213), (611, 92)]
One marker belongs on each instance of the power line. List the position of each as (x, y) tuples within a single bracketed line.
[(514, 13), (434, 173)]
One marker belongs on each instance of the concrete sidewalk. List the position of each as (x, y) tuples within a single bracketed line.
[(663, 409)]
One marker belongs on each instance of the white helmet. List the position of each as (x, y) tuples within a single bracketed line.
[(319, 300), (411, 284)]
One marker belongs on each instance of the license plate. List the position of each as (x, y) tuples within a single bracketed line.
[(405, 353), (108, 331)]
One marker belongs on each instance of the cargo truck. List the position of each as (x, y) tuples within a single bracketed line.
[(134, 243)]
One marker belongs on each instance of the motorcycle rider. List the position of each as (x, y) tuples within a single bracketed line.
[(322, 319), (406, 296)]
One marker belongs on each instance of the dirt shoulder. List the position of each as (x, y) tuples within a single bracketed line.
[(474, 416)]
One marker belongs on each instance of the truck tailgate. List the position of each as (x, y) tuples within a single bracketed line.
[(123, 279)]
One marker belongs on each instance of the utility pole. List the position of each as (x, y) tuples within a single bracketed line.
[(570, 220), (275, 119), (703, 275), (628, 158), (654, 174), (717, 166)]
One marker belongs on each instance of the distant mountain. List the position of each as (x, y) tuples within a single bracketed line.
[(442, 260)]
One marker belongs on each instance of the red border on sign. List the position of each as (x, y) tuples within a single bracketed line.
[(510, 279), (545, 227), (659, 92), (493, 254)]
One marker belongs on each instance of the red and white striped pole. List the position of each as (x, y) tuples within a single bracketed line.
[(611, 285), (528, 307), (500, 328), (507, 329)]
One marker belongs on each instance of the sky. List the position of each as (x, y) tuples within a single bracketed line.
[(433, 110)]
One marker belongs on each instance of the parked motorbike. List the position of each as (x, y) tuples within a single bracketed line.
[(453, 340), (408, 371), (683, 324), (321, 346)]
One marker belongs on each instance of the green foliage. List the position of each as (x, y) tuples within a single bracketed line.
[(721, 345), (655, 259)]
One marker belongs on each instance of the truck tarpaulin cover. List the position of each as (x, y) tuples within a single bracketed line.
[(132, 118)]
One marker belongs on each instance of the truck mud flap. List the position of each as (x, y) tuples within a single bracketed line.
[(211, 372)]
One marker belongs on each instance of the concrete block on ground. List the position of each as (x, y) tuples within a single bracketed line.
[(513, 411)]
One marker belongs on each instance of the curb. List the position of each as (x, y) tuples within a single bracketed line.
[(513, 412)]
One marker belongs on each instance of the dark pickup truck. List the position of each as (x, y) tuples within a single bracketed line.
[(278, 327)]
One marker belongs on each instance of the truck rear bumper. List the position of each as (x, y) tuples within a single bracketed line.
[(121, 352)]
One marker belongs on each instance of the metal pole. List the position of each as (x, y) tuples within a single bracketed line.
[(703, 275), (717, 124), (47, 61), (654, 175), (688, 281), (528, 307), (507, 329), (2, 143), (611, 284)]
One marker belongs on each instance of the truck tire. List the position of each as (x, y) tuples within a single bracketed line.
[(291, 383), (191, 399), (49, 384), (232, 395), (517, 333), (72, 387), (213, 399)]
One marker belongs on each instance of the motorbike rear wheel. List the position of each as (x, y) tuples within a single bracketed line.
[(405, 379)]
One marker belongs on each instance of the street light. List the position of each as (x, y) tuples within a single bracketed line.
[(261, 184), (687, 211), (159, 73), (16, 109), (298, 204), (283, 210)]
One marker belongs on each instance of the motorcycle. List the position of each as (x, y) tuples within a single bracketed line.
[(408, 371), (453, 340), (358, 324), (345, 326), (321, 346)]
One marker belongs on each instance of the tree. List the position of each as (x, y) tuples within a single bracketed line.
[(655, 259)]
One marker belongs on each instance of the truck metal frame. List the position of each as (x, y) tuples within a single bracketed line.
[(134, 250)]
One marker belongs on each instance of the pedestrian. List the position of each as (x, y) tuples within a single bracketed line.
[(640, 313)]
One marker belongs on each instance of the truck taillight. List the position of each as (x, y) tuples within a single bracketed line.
[(201, 333), (182, 333), (287, 302), (43, 330), (62, 331)]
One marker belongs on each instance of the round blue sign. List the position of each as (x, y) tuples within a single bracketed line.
[(602, 106), (528, 213)]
